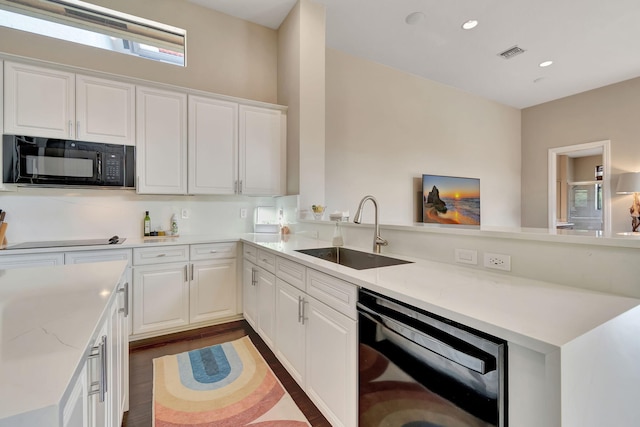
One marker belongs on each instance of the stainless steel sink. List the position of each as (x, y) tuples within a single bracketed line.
[(352, 258)]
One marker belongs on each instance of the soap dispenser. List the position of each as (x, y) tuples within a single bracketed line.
[(174, 225), (337, 236)]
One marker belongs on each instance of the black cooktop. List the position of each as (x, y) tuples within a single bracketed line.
[(115, 240)]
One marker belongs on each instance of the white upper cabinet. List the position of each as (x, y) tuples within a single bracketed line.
[(261, 147), (213, 146), (38, 101), (57, 104), (105, 111), (161, 135)]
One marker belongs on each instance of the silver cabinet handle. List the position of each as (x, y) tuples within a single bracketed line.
[(191, 271), (302, 303), (100, 352), (240, 190), (125, 289), (253, 276), (299, 309), (78, 129), (186, 273), (160, 255), (70, 129), (213, 251)]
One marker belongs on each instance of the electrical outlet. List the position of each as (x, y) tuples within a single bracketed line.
[(466, 256), (185, 213), (497, 261), (243, 213)]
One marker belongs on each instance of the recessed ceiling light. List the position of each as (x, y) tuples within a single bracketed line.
[(471, 23), (545, 63), (415, 18)]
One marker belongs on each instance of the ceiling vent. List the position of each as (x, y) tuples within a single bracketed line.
[(511, 52)]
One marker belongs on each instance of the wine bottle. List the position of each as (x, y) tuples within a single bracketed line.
[(147, 224)]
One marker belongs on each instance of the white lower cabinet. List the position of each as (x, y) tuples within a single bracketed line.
[(315, 341), (266, 283), (250, 293), (160, 297), (212, 290), (332, 363), (177, 287), (98, 396), (259, 294), (291, 330)]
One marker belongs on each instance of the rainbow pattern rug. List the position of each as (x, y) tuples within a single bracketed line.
[(226, 385)]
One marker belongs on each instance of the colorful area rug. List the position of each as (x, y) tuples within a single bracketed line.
[(226, 385)]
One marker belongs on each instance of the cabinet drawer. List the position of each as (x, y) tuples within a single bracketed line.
[(267, 260), (212, 251), (337, 294), (31, 260), (250, 253), (160, 255), (291, 272), (82, 257)]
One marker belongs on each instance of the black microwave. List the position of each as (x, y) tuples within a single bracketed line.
[(61, 162)]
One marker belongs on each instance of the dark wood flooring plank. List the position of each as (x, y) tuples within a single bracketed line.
[(143, 352)]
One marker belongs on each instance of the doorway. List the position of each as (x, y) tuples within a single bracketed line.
[(579, 187)]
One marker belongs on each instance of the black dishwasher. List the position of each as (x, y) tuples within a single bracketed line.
[(417, 369)]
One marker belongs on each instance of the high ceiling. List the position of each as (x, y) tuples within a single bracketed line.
[(592, 43)]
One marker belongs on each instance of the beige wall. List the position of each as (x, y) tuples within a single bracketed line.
[(225, 55), (385, 128), (608, 113)]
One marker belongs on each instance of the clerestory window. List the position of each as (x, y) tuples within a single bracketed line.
[(84, 23)]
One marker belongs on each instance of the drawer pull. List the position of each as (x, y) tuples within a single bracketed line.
[(213, 251), (160, 255)]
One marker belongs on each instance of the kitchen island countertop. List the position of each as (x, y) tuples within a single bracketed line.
[(48, 319)]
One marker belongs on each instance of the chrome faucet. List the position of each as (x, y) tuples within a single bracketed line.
[(377, 240)]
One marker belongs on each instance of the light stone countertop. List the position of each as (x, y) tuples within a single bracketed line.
[(48, 321), (538, 315)]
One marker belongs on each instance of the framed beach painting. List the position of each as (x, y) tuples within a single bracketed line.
[(450, 200)]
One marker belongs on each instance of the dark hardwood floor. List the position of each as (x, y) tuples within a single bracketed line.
[(143, 352)]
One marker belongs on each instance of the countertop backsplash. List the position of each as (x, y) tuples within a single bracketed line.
[(57, 214)]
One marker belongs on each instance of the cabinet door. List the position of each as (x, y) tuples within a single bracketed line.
[(105, 111), (113, 363), (121, 374), (290, 329), (160, 297), (266, 306), (331, 371), (98, 409), (212, 290), (250, 293), (213, 146), (74, 412), (38, 101), (161, 141), (261, 144)]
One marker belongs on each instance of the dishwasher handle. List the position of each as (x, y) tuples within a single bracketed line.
[(444, 345)]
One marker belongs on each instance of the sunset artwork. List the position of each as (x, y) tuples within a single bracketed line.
[(450, 200)]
